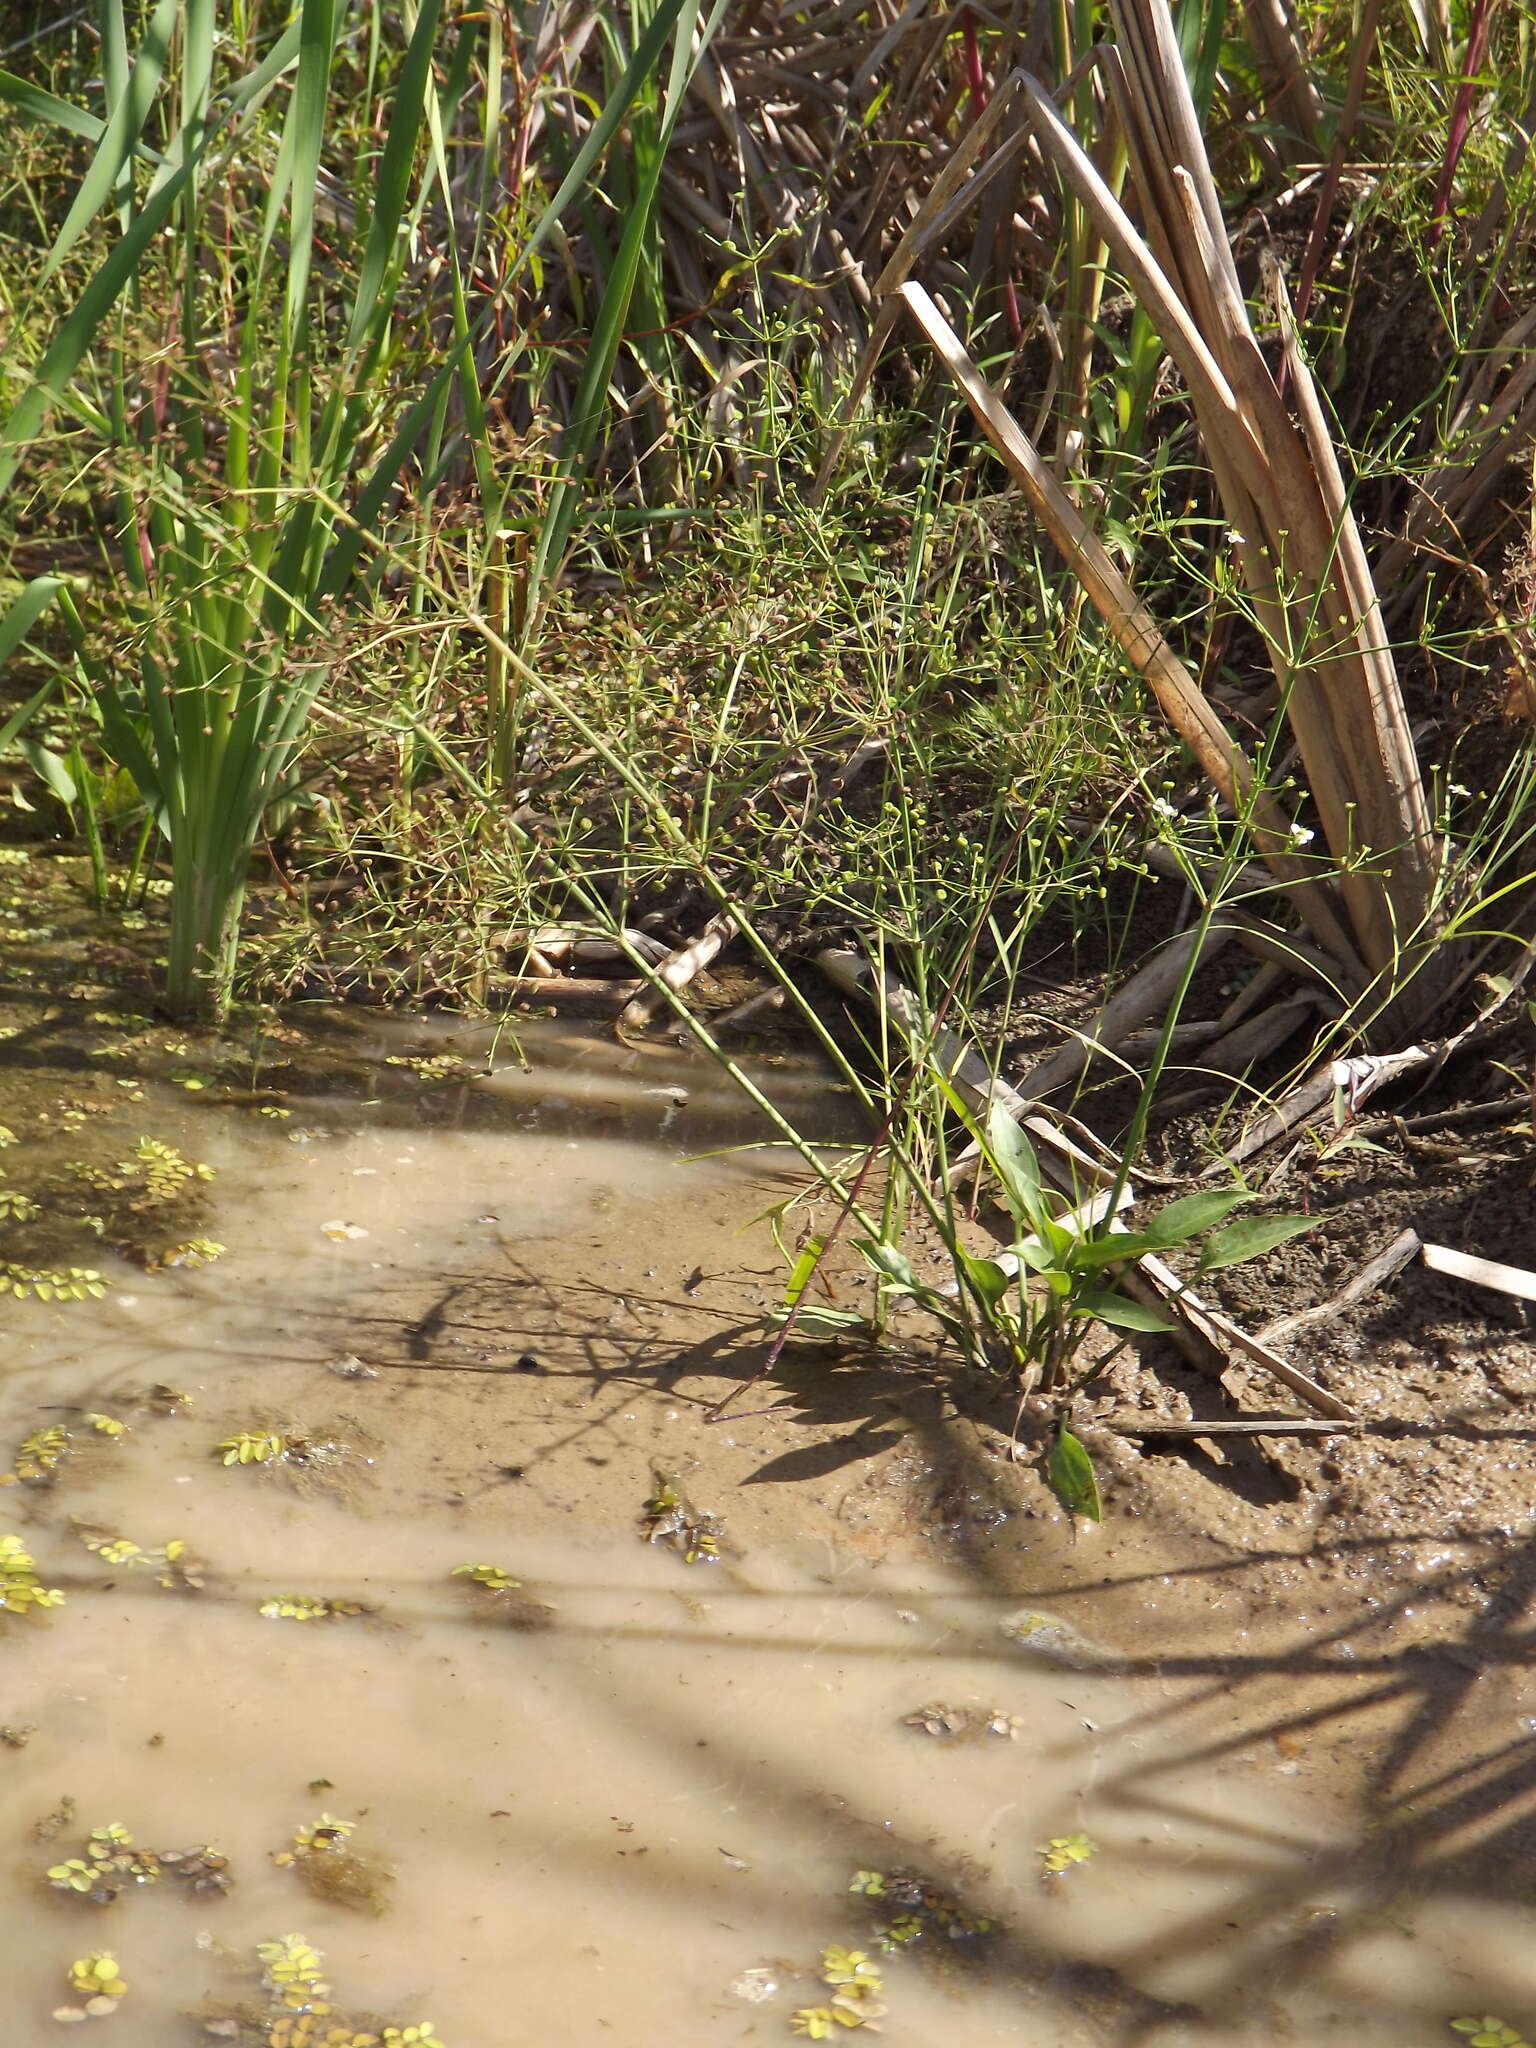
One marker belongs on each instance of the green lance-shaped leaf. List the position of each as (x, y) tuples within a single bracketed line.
[(1073, 1481), (1249, 1237)]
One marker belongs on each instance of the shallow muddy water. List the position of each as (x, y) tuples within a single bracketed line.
[(625, 1801)]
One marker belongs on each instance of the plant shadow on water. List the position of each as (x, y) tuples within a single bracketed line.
[(1302, 1819)]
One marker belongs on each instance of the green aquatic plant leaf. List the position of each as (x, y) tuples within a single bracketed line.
[(1073, 1479), (1489, 2032)]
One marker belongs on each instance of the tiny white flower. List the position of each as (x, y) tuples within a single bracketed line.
[(340, 1231), (1459, 789), (1163, 808), (1300, 836)]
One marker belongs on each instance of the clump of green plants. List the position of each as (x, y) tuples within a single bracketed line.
[(98, 1982), (856, 1996), (911, 1909), (1027, 1311), (110, 1864), (20, 1590), (668, 1518), (309, 1607), (175, 1564), (297, 2009), (322, 1856), (1489, 2032)]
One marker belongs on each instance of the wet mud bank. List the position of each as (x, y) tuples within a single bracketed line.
[(406, 1574)]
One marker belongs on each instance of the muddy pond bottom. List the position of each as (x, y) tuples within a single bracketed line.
[(426, 1656)]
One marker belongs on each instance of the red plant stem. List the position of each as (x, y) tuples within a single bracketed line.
[(1478, 32), (974, 75)]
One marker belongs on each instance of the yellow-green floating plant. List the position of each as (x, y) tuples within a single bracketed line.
[(490, 1576), (252, 1447), (97, 1981), (300, 2013), (52, 1283), (1063, 1852), (20, 1592), (857, 1995), (307, 1607), (110, 1864), (175, 1564), (917, 1909)]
